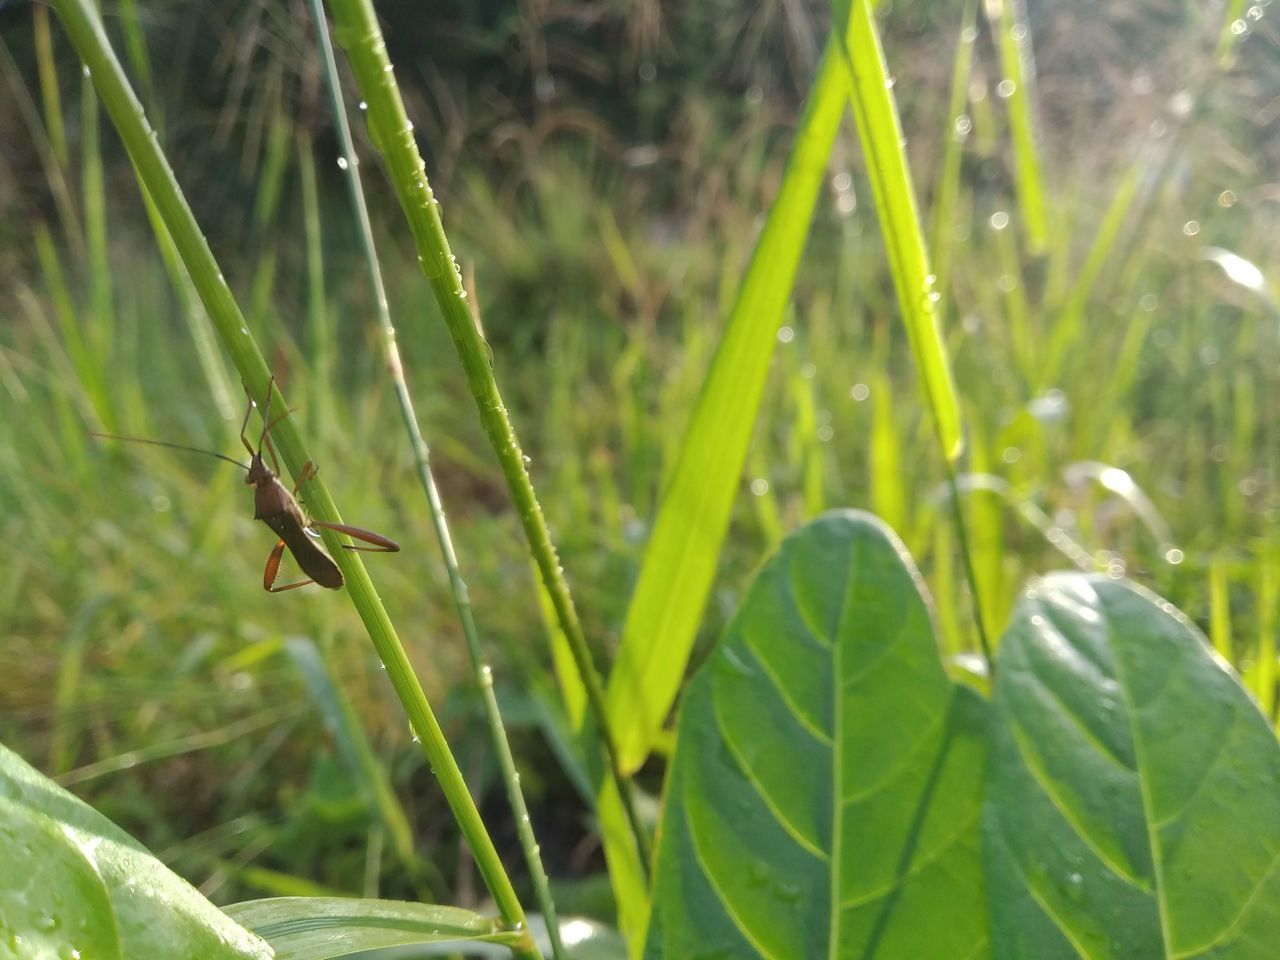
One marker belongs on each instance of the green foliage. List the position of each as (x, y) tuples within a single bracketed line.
[(319, 928), (74, 881), (1133, 806), (824, 794), (680, 559), (1103, 268)]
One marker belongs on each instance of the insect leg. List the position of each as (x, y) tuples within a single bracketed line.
[(379, 543), (272, 569)]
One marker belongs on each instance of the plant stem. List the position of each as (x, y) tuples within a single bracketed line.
[(422, 456), (157, 179), (356, 30), (966, 557)]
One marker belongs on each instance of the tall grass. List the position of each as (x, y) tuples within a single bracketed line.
[(146, 661)]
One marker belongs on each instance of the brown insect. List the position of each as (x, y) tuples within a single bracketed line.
[(275, 506)]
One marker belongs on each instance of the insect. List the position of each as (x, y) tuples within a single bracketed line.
[(275, 506)]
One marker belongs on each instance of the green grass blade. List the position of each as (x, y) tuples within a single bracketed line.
[(680, 560), (1013, 40), (957, 132), (152, 168), (880, 133), (352, 745), (356, 30)]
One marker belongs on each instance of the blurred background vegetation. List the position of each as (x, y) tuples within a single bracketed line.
[(602, 168)]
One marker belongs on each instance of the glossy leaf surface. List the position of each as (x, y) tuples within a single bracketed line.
[(71, 880), (1133, 805), (824, 794), (315, 928)]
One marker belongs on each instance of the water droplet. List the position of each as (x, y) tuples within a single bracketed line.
[(1238, 27), (1174, 555), (342, 163), (526, 458), (786, 334), (962, 125), (1006, 89), (364, 105), (1191, 228), (859, 392), (84, 68), (999, 220), (1227, 198), (889, 82), (808, 371), (759, 486)]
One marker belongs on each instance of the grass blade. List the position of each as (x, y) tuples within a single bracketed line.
[(103, 67), (356, 30), (1013, 40), (680, 560), (880, 133)]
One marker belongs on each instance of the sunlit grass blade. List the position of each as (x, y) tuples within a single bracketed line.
[(1017, 89), (680, 560), (957, 131), (880, 134)]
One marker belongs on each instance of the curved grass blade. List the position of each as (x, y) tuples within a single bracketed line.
[(825, 791), (880, 133), (680, 561), (152, 168), (1008, 20), (318, 928), (1133, 798)]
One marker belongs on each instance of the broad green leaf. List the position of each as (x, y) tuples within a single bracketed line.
[(880, 135), (1133, 799), (43, 873), (314, 928), (70, 880), (825, 791), (680, 560)]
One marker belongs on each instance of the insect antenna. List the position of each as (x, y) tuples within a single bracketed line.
[(173, 446)]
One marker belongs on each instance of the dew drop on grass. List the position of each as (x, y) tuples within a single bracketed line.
[(364, 105), (342, 163)]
